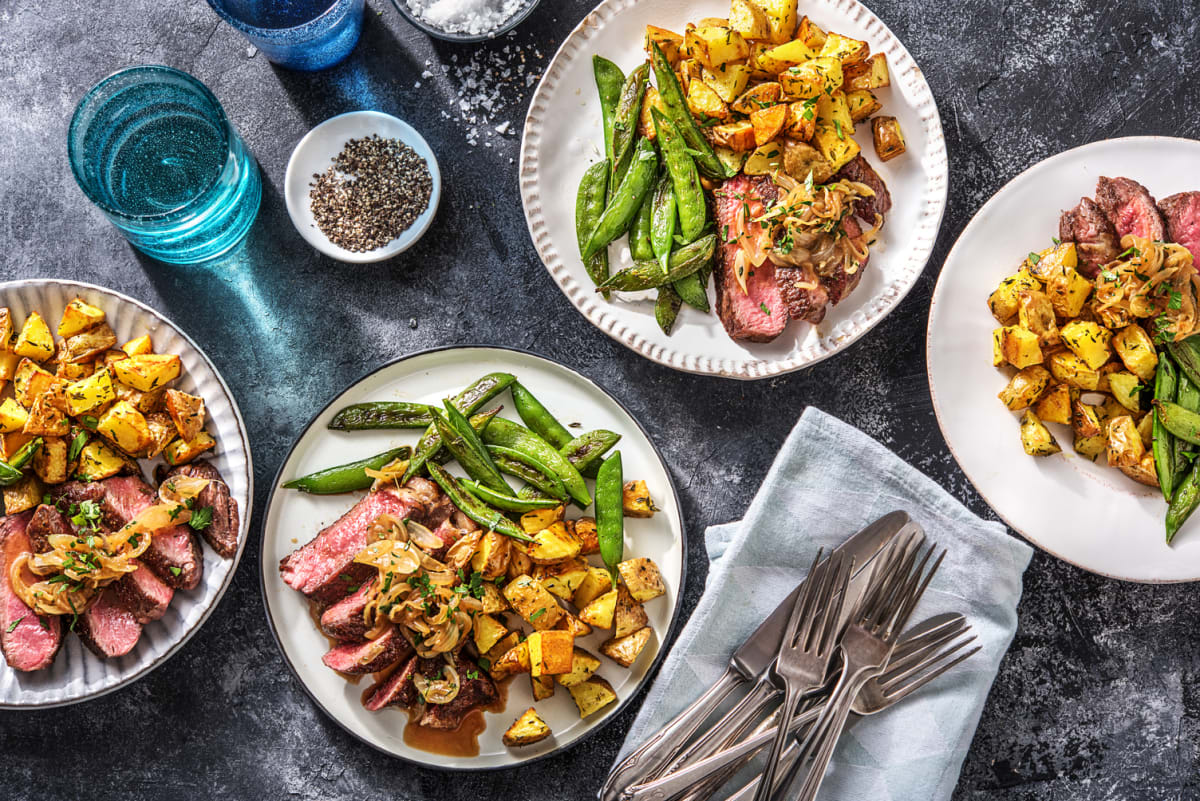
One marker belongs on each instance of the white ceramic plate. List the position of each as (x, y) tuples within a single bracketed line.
[(1087, 514), (315, 153), (563, 136), (294, 518), (77, 674)]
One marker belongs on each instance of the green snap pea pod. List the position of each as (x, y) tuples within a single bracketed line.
[(662, 219), (528, 469), (648, 275), (1179, 421), (1187, 396), (689, 195), (589, 206), (508, 434), (381, 414), (626, 200), (346, 477), (1187, 356), (10, 471), (477, 467), (474, 508), (691, 290), (1184, 502), (532, 493), (666, 308), (609, 80), (508, 503), (1163, 444), (625, 123), (671, 100), (639, 234), (587, 450), (467, 402), (610, 514), (538, 417)]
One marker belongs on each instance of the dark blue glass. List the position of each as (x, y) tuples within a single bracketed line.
[(297, 34)]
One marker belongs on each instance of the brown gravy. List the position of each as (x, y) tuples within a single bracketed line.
[(461, 742)]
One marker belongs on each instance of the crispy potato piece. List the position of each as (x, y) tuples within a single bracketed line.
[(487, 632), (601, 610), (848, 51), (13, 416), (562, 578), (526, 730), (1105, 373), (87, 345), (550, 545), (497, 651), (24, 495), (812, 78), (550, 652), (8, 365), (48, 414), (1126, 388), (810, 33), (642, 578), (1088, 341), (519, 564), (761, 95), (592, 695), (705, 103), (144, 402), (801, 160), (1146, 430), (835, 129), (1053, 260), (126, 427), (625, 650), (1068, 291), (781, 18), (781, 57), (1006, 299), (862, 104), (1020, 347), (1136, 350), (1085, 419), (727, 80), (767, 123), (889, 139), (187, 412), (1036, 439), (1090, 447), (629, 615), (595, 583), (492, 557), (668, 41), (541, 686), (1069, 369), (139, 346), (50, 461), (1054, 406), (583, 665), (514, 660), (801, 124), (6, 329), (585, 531), (749, 19), (1144, 472), (651, 101), (636, 500), (758, 71), (1125, 448), (90, 393), (764, 160), (147, 372), (1024, 389), (182, 451), (35, 340), (577, 627), (737, 136), (1034, 313), (98, 461), (78, 316), (493, 600), (869, 74), (535, 521), (162, 431), (533, 602), (714, 45)]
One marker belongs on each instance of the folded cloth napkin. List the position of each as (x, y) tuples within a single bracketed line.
[(829, 481)]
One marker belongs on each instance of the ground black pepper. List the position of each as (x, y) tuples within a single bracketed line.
[(373, 193)]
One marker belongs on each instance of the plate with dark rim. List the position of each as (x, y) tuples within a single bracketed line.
[(464, 38), (293, 519), (76, 674)]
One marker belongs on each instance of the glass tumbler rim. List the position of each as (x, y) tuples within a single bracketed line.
[(76, 121), (305, 30)]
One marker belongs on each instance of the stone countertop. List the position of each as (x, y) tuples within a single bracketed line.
[(1097, 698)]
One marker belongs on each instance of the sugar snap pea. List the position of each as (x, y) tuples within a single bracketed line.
[(625, 123), (509, 503), (11, 471), (670, 98), (476, 462), (662, 219), (609, 80), (467, 401), (648, 275), (666, 308), (1179, 421), (381, 414), (1162, 443), (639, 234), (1184, 502), (508, 434), (528, 469), (589, 206), (538, 417), (610, 514), (1187, 396), (1187, 356), (626, 200), (689, 195), (532, 493), (346, 477), (587, 450), (474, 508), (691, 289)]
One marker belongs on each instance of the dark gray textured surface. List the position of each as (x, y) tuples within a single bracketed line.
[(1096, 700)]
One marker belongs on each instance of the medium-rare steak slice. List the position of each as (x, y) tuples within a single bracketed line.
[(344, 620), (222, 532), (1095, 238), (46, 521), (1130, 208), (758, 314), (107, 628), (860, 171), (368, 656), (477, 689), (842, 283), (70, 495), (1182, 212), (806, 299), (174, 553), (28, 641), (144, 594), (397, 689), (324, 569)]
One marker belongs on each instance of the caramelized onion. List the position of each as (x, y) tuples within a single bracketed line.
[(438, 691)]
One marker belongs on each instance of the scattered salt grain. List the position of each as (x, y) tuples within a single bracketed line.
[(472, 17)]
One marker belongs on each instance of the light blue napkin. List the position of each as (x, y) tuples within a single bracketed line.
[(828, 481)]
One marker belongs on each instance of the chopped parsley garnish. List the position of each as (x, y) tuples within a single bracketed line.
[(13, 626), (1108, 275), (472, 673), (176, 570), (837, 124), (202, 518), (762, 307), (537, 614), (88, 516), (1176, 300), (1034, 258)]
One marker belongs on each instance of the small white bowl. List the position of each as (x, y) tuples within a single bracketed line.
[(315, 154)]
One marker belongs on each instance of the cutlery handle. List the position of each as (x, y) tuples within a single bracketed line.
[(652, 756), (823, 736), (729, 727), (816, 773), (777, 743)]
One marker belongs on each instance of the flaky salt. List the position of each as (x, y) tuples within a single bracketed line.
[(471, 17)]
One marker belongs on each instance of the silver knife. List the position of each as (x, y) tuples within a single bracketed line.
[(747, 663)]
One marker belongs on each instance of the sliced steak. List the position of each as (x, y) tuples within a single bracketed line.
[(397, 689), (28, 641), (842, 283), (1130, 208), (222, 532), (144, 594), (174, 553), (758, 314), (368, 656), (474, 693), (1182, 213), (46, 521), (1095, 238), (74, 493), (324, 569), (860, 171), (107, 628), (806, 299), (344, 619)]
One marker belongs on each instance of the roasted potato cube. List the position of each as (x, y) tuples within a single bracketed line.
[(801, 124), (642, 578), (24, 495), (810, 33), (727, 80), (1105, 372), (182, 451), (491, 559), (1054, 406), (98, 461), (532, 602), (834, 130), (1143, 472), (821, 75), (737, 136), (636, 500), (493, 600), (668, 41), (629, 615), (35, 340), (48, 415), (1052, 261), (1146, 430), (1036, 439), (862, 104), (526, 730), (594, 584), (583, 665), (1020, 347), (69, 371), (12, 443), (550, 652), (585, 531), (749, 19), (1127, 389), (1069, 369), (592, 695), (768, 122), (87, 345), (577, 627), (1068, 291), (519, 564), (705, 103), (801, 160), (562, 578), (714, 45), (78, 316), (514, 660), (1006, 300), (6, 329), (50, 461), (144, 402), (541, 686), (8, 365), (147, 372), (12, 416), (998, 348), (1086, 419), (550, 545), (124, 426), (848, 51), (187, 412), (869, 74), (764, 160), (601, 610), (1125, 448), (689, 70), (113, 356), (625, 650), (762, 95), (497, 651), (889, 139), (538, 519), (779, 58), (139, 346), (712, 22), (90, 393), (1088, 341), (781, 18), (1024, 389), (488, 632), (1136, 350), (1034, 313), (1090, 447)]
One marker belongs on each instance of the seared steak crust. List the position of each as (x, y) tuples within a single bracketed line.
[(472, 694), (1095, 238), (222, 532), (1130, 208), (46, 521), (1182, 213), (860, 171)]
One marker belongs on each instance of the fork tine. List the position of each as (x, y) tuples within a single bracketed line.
[(909, 643), (920, 654), (833, 614), (915, 597), (903, 590), (919, 675), (819, 579), (829, 586), (800, 607), (882, 600), (881, 575)]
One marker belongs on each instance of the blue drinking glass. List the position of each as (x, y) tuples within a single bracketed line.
[(151, 146), (297, 34)]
